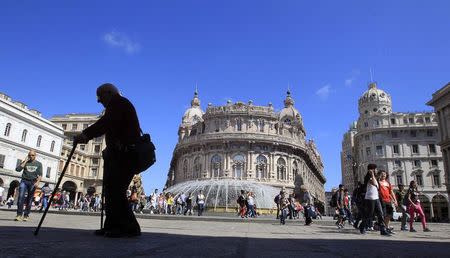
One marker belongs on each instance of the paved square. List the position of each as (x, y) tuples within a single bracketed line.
[(71, 235)]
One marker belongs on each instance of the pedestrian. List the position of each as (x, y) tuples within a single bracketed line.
[(415, 207), (242, 202), (372, 203), (307, 203), (200, 202), (31, 176), (188, 208), (388, 200), (402, 203), (340, 206), (358, 201), (277, 202), (284, 208), (46, 192), (120, 125), (348, 207), (251, 205), (170, 202), (2, 190)]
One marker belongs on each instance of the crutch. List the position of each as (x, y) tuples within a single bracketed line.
[(56, 188)]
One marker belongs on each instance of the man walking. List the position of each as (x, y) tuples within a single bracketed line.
[(31, 176), (121, 128), (400, 195)]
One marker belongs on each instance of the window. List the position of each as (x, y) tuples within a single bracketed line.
[(379, 150), (366, 124), (436, 180), (97, 148), (216, 166), (85, 126), (7, 129), (64, 126), (82, 171), (238, 166), (417, 163), (281, 169), (95, 161), (368, 152), (24, 135), (61, 165), (411, 120), (238, 124), (427, 119), (82, 147), (2, 161), (261, 125), (413, 133), (72, 167), (397, 163), (419, 180), (415, 148), (434, 163), (18, 162), (38, 143), (394, 134), (217, 125), (396, 149), (393, 121), (52, 146), (94, 172), (405, 120), (366, 137), (376, 123), (197, 168), (74, 127), (420, 120), (399, 179), (432, 148), (47, 175)]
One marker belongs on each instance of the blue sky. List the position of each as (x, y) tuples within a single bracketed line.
[(53, 55)]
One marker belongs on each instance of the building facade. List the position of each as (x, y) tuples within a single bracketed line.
[(441, 104), (347, 164), (404, 144), (23, 129), (85, 171), (243, 146)]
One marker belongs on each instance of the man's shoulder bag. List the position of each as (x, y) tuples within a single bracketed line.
[(142, 153)]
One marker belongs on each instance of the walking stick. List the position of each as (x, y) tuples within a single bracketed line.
[(56, 188), (102, 204)]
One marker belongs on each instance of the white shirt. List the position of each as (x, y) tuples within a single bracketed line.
[(371, 192), (250, 200)]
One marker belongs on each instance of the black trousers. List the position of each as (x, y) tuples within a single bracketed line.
[(371, 208), (116, 179)]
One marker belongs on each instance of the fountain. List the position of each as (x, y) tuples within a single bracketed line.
[(221, 194)]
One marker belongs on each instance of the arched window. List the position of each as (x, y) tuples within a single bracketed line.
[(216, 166), (287, 121), (281, 169), (52, 146), (238, 124), (261, 167), (38, 143), (185, 169), (24, 135), (238, 166), (294, 169), (7, 129), (197, 167)]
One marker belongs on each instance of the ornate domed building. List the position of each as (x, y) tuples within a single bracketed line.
[(244, 147)]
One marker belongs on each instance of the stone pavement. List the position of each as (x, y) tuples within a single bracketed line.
[(69, 236)]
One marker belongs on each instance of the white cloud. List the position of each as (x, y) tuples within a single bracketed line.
[(354, 75), (324, 92), (120, 40)]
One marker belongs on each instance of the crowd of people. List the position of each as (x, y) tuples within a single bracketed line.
[(173, 204), (371, 205)]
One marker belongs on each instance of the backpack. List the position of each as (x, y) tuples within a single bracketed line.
[(277, 199), (333, 201)]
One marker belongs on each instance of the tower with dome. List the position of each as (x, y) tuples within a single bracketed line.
[(402, 143), (243, 146)]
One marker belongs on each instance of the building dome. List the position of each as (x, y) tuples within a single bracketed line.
[(289, 114), (193, 114), (375, 102)]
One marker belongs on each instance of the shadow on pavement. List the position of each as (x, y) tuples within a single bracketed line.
[(20, 241)]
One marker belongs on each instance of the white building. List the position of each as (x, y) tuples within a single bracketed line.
[(441, 103), (347, 164), (22, 129), (404, 144)]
